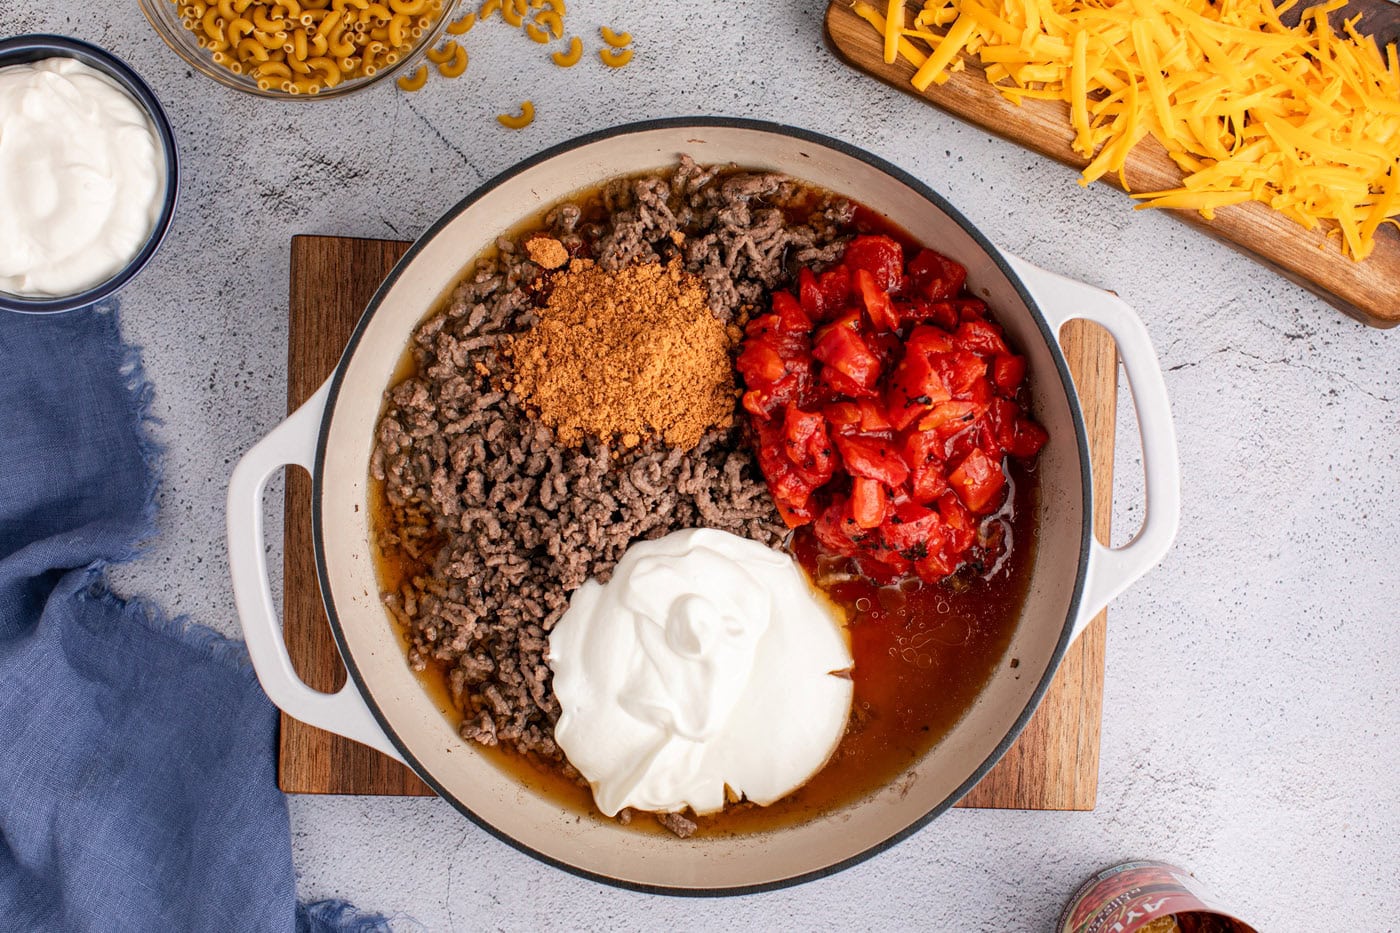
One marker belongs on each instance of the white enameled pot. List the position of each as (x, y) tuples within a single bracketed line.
[(383, 704)]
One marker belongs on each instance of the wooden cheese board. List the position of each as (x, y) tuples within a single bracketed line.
[(1368, 291), (1053, 766)]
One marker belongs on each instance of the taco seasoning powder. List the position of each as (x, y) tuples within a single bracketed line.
[(631, 354)]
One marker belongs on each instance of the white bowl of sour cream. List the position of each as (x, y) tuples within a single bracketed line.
[(88, 174)]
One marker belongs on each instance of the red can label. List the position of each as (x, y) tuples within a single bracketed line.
[(1125, 897)]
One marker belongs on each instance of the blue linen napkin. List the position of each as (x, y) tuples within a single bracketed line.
[(137, 769)]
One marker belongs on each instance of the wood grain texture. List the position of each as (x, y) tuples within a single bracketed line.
[(1368, 291), (1054, 765), (331, 282)]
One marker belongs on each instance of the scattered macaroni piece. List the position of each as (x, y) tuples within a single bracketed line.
[(414, 82), (526, 117), (457, 66), (570, 58), (307, 46), (553, 21), (615, 58), (537, 33), (615, 39), (489, 8), (513, 12), (461, 27), (1303, 118), (441, 56)]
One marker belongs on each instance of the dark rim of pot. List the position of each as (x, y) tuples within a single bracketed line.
[(701, 123), (20, 50)]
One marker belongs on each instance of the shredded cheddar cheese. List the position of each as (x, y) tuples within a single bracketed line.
[(1303, 118)]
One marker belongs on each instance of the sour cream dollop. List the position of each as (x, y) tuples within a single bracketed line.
[(706, 661), (81, 178)]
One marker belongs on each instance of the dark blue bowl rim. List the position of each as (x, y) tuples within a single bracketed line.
[(18, 50)]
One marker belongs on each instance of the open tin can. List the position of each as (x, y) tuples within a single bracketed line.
[(1146, 897)]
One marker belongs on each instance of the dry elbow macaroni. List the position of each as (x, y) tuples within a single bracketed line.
[(569, 58), (615, 58), (415, 81), (541, 20), (456, 66), (527, 115), (307, 46), (615, 39)]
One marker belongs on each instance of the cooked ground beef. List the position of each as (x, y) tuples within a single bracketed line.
[(678, 823), (503, 523)]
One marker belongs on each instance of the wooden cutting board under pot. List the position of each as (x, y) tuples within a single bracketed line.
[(1054, 765)]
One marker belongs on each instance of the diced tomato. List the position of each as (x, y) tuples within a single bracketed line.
[(920, 447), (809, 294), (942, 313), (842, 415), (842, 349), (836, 527), (876, 300), (927, 482), (978, 480), (808, 446), (981, 393), (1007, 372), (791, 318), (913, 530), (961, 372), (980, 337), (839, 384), (868, 502), (923, 452), (949, 418), (936, 276), (887, 346), (962, 531), (760, 325), (835, 287), (927, 339), (1001, 419), (759, 363), (794, 516), (786, 486), (873, 458), (957, 447), (883, 405), (1030, 437), (872, 417), (987, 440), (934, 566), (880, 256), (971, 309), (915, 386)]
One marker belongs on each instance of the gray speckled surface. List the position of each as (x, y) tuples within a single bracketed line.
[(1251, 707)]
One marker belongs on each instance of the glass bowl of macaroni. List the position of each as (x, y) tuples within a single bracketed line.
[(300, 49)]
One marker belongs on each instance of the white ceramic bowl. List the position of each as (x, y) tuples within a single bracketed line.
[(19, 50), (385, 706)]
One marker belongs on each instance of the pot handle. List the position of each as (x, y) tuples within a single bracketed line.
[(293, 442), (1112, 570)]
